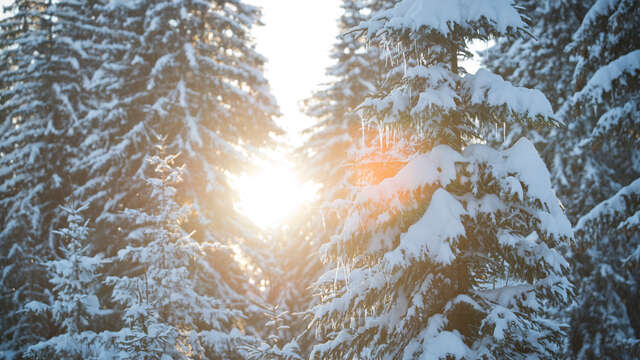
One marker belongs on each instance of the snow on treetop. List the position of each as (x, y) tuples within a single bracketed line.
[(440, 15)]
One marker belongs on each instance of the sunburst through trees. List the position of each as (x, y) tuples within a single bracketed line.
[(151, 207)]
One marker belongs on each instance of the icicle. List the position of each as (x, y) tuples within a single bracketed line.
[(362, 123), (404, 63), (388, 134), (504, 132)]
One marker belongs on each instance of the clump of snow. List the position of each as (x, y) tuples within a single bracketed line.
[(487, 87), (500, 317), (437, 343), (615, 117), (599, 8), (602, 80), (431, 234), (440, 90), (523, 159), (608, 208)]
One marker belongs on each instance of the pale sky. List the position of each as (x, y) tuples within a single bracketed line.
[(297, 40)]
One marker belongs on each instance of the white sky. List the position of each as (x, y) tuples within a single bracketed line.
[(297, 40)]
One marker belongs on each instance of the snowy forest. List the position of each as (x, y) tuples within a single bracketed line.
[(492, 214)]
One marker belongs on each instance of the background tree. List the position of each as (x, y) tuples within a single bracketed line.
[(188, 70), (40, 101), (278, 344), (453, 256), (602, 118), (84, 86)]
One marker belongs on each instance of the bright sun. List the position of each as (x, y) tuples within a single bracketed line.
[(271, 195)]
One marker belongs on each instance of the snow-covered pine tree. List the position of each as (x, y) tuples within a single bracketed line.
[(189, 70), (454, 256), (604, 320), (168, 307), (75, 306), (597, 111), (285, 293), (40, 100), (108, 167), (603, 119)]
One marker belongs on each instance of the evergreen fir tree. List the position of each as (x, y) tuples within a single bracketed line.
[(168, 309), (75, 306), (206, 91), (602, 118), (540, 61), (40, 101), (455, 255), (604, 167), (285, 291), (604, 320)]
